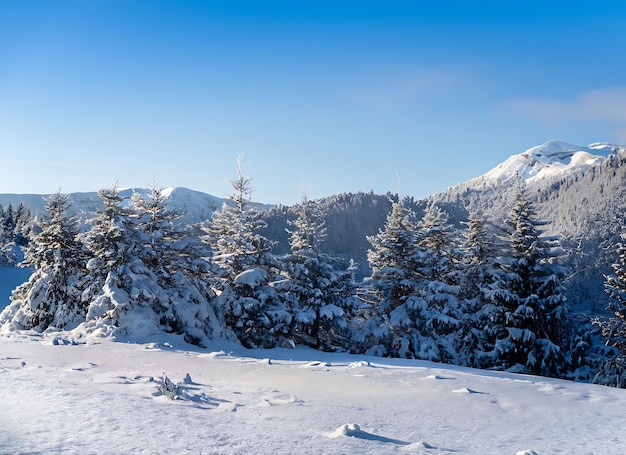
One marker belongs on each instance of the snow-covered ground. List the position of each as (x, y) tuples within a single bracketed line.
[(107, 397)]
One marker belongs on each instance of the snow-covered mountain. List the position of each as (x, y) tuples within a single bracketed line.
[(196, 205), (550, 161)]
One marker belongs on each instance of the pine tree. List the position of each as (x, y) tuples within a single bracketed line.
[(317, 293), (51, 297), (436, 275), (251, 306), (613, 372), (481, 274), (391, 258), (120, 289), (233, 233), (532, 296), (183, 276)]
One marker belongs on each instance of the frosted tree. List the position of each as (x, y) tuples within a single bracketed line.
[(233, 233), (532, 296), (613, 372), (8, 250), (479, 285), (120, 289), (251, 306), (51, 297), (436, 275), (318, 294), (184, 278), (392, 259)]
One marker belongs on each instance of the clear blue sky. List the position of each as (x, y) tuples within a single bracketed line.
[(328, 96)]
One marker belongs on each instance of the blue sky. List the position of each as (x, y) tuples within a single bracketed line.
[(320, 96)]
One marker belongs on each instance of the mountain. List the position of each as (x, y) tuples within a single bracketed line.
[(580, 193), (550, 161), (195, 205)]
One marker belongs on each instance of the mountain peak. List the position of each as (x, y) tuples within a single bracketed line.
[(552, 160)]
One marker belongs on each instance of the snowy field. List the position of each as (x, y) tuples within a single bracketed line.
[(108, 397)]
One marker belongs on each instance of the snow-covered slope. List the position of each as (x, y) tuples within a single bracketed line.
[(110, 398), (551, 160)]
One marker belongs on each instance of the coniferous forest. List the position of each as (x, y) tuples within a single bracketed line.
[(480, 292)]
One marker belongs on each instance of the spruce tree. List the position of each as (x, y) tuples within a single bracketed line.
[(613, 372), (532, 296), (119, 286), (317, 293), (479, 284), (183, 277), (52, 295), (436, 276), (391, 284), (251, 306)]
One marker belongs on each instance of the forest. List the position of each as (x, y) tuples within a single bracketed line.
[(476, 293)]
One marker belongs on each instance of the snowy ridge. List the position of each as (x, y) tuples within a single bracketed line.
[(551, 160), (195, 205)]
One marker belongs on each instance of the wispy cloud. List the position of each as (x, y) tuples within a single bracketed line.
[(394, 88), (604, 108)]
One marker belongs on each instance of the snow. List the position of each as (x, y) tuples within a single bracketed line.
[(162, 396), (551, 160)]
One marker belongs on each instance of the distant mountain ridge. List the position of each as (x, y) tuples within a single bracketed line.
[(549, 161), (196, 206)]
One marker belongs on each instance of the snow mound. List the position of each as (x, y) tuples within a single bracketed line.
[(252, 277), (359, 364), (466, 390), (354, 430), (526, 452)]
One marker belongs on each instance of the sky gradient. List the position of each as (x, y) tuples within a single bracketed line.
[(318, 96)]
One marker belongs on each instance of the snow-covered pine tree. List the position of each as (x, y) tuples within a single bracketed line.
[(532, 296), (613, 372), (51, 297), (480, 278), (8, 250), (436, 275), (121, 291), (252, 308), (182, 273), (318, 294), (391, 285)]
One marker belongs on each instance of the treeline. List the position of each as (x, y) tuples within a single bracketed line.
[(14, 232), (486, 296)]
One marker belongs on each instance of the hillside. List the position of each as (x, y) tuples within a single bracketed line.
[(579, 194)]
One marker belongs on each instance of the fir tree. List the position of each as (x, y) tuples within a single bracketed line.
[(613, 372), (316, 292), (481, 274), (52, 296), (392, 286), (185, 299), (251, 306), (435, 309), (119, 284), (532, 296)]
